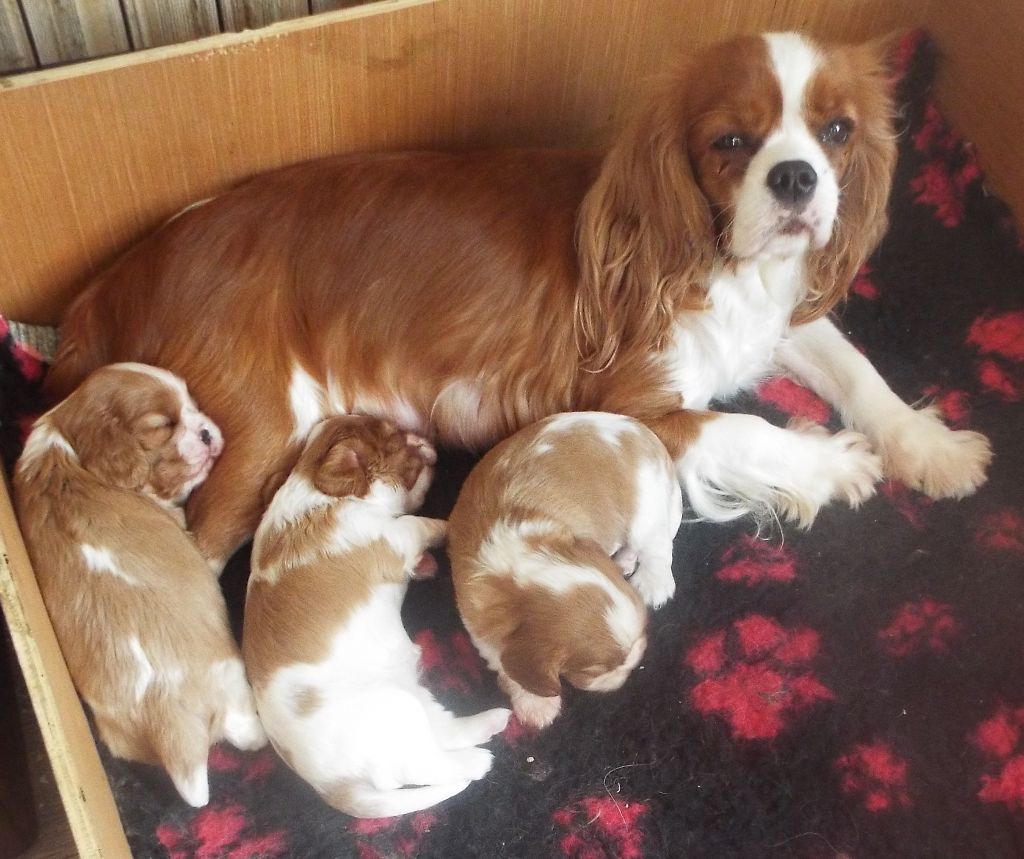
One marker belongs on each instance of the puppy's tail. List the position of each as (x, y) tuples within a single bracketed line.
[(362, 800)]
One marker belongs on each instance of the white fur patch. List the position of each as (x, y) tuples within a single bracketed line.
[(194, 787), (608, 427), (101, 560), (305, 397), (189, 208), (144, 669), (44, 438)]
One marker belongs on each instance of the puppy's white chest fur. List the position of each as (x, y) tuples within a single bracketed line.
[(727, 347)]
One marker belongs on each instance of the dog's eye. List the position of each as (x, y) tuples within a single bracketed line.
[(837, 132), (729, 141)]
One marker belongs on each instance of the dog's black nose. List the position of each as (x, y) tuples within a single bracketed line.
[(205, 437), (792, 182)]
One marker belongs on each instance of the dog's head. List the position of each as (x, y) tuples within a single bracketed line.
[(765, 147), (136, 427)]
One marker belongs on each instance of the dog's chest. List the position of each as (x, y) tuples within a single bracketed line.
[(719, 351)]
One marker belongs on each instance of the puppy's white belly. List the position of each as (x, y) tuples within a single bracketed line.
[(345, 717)]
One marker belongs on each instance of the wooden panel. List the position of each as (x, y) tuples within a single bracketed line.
[(104, 152), (981, 85), (15, 48), (157, 22), (250, 14), (84, 789), (66, 30)]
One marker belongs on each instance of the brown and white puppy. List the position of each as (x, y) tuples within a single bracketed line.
[(138, 613), (335, 675), (532, 539)]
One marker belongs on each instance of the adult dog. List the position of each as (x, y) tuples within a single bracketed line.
[(466, 295)]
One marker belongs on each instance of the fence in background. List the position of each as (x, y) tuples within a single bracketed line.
[(39, 33)]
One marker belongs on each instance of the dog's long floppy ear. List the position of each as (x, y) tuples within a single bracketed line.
[(865, 183), (533, 665), (645, 235)]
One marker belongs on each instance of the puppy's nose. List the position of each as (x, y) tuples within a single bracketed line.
[(205, 437), (792, 182)]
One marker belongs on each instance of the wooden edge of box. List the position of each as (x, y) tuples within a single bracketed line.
[(84, 789), (216, 42)]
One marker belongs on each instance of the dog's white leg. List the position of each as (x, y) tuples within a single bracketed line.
[(651, 533), (915, 446), (731, 465)]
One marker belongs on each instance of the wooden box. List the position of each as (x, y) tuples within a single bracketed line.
[(94, 155)]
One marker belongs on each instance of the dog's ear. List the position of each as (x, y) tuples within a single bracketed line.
[(533, 663), (341, 472), (110, 451), (645, 235)]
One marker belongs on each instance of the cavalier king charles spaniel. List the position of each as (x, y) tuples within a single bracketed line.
[(465, 295)]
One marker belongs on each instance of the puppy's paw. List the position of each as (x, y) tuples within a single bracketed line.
[(925, 454), (473, 763), (425, 567), (655, 587), (535, 711)]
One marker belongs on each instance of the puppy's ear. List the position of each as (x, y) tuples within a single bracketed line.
[(341, 472), (113, 454), (533, 664)]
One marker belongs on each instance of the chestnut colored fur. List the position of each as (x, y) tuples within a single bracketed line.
[(142, 626), (467, 294)]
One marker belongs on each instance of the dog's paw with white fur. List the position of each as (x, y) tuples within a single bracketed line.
[(925, 454), (841, 466), (535, 711), (656, 586)]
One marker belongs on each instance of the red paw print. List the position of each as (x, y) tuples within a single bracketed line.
[(450, 664), (912, 506), (248, 765), (752, 562), (793, 399), (391, 837), (1003, 530), (755, 676), (863, 285), (599, 826), (999, 737), (951, 169), (875, 772), (924, 625), (954, 404), (1000, 337), (217, 833)]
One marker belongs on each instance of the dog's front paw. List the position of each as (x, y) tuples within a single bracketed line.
[(655, 587), (535, 711), (925, 454)]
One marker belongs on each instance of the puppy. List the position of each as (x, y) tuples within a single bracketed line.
[(532, 540), (334, 672), (138, 613)]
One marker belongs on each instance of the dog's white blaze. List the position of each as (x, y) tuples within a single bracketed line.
[(101, 560)]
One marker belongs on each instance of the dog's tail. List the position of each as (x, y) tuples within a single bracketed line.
[(363, 800)]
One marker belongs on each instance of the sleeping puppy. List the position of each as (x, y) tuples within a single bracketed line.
[(138, 613), (335, 675), (541, 536)]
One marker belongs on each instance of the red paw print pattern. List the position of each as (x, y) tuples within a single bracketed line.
[(248, 767), (1000, 337), (391, 837), (875, 773), (755, 676), (954, 404), (999, 738), (752, 562), (793, 399), (600, 826), (863, 285), (220, 833), (951, 169), (919, 626), (1003, 530), (912, 506), (451, 664)]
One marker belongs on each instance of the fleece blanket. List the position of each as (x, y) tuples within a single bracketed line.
[(852, 691)]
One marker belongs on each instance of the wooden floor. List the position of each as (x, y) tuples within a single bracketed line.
[(55, 840)]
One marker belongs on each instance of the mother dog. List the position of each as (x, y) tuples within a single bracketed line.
[(469, 294)]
